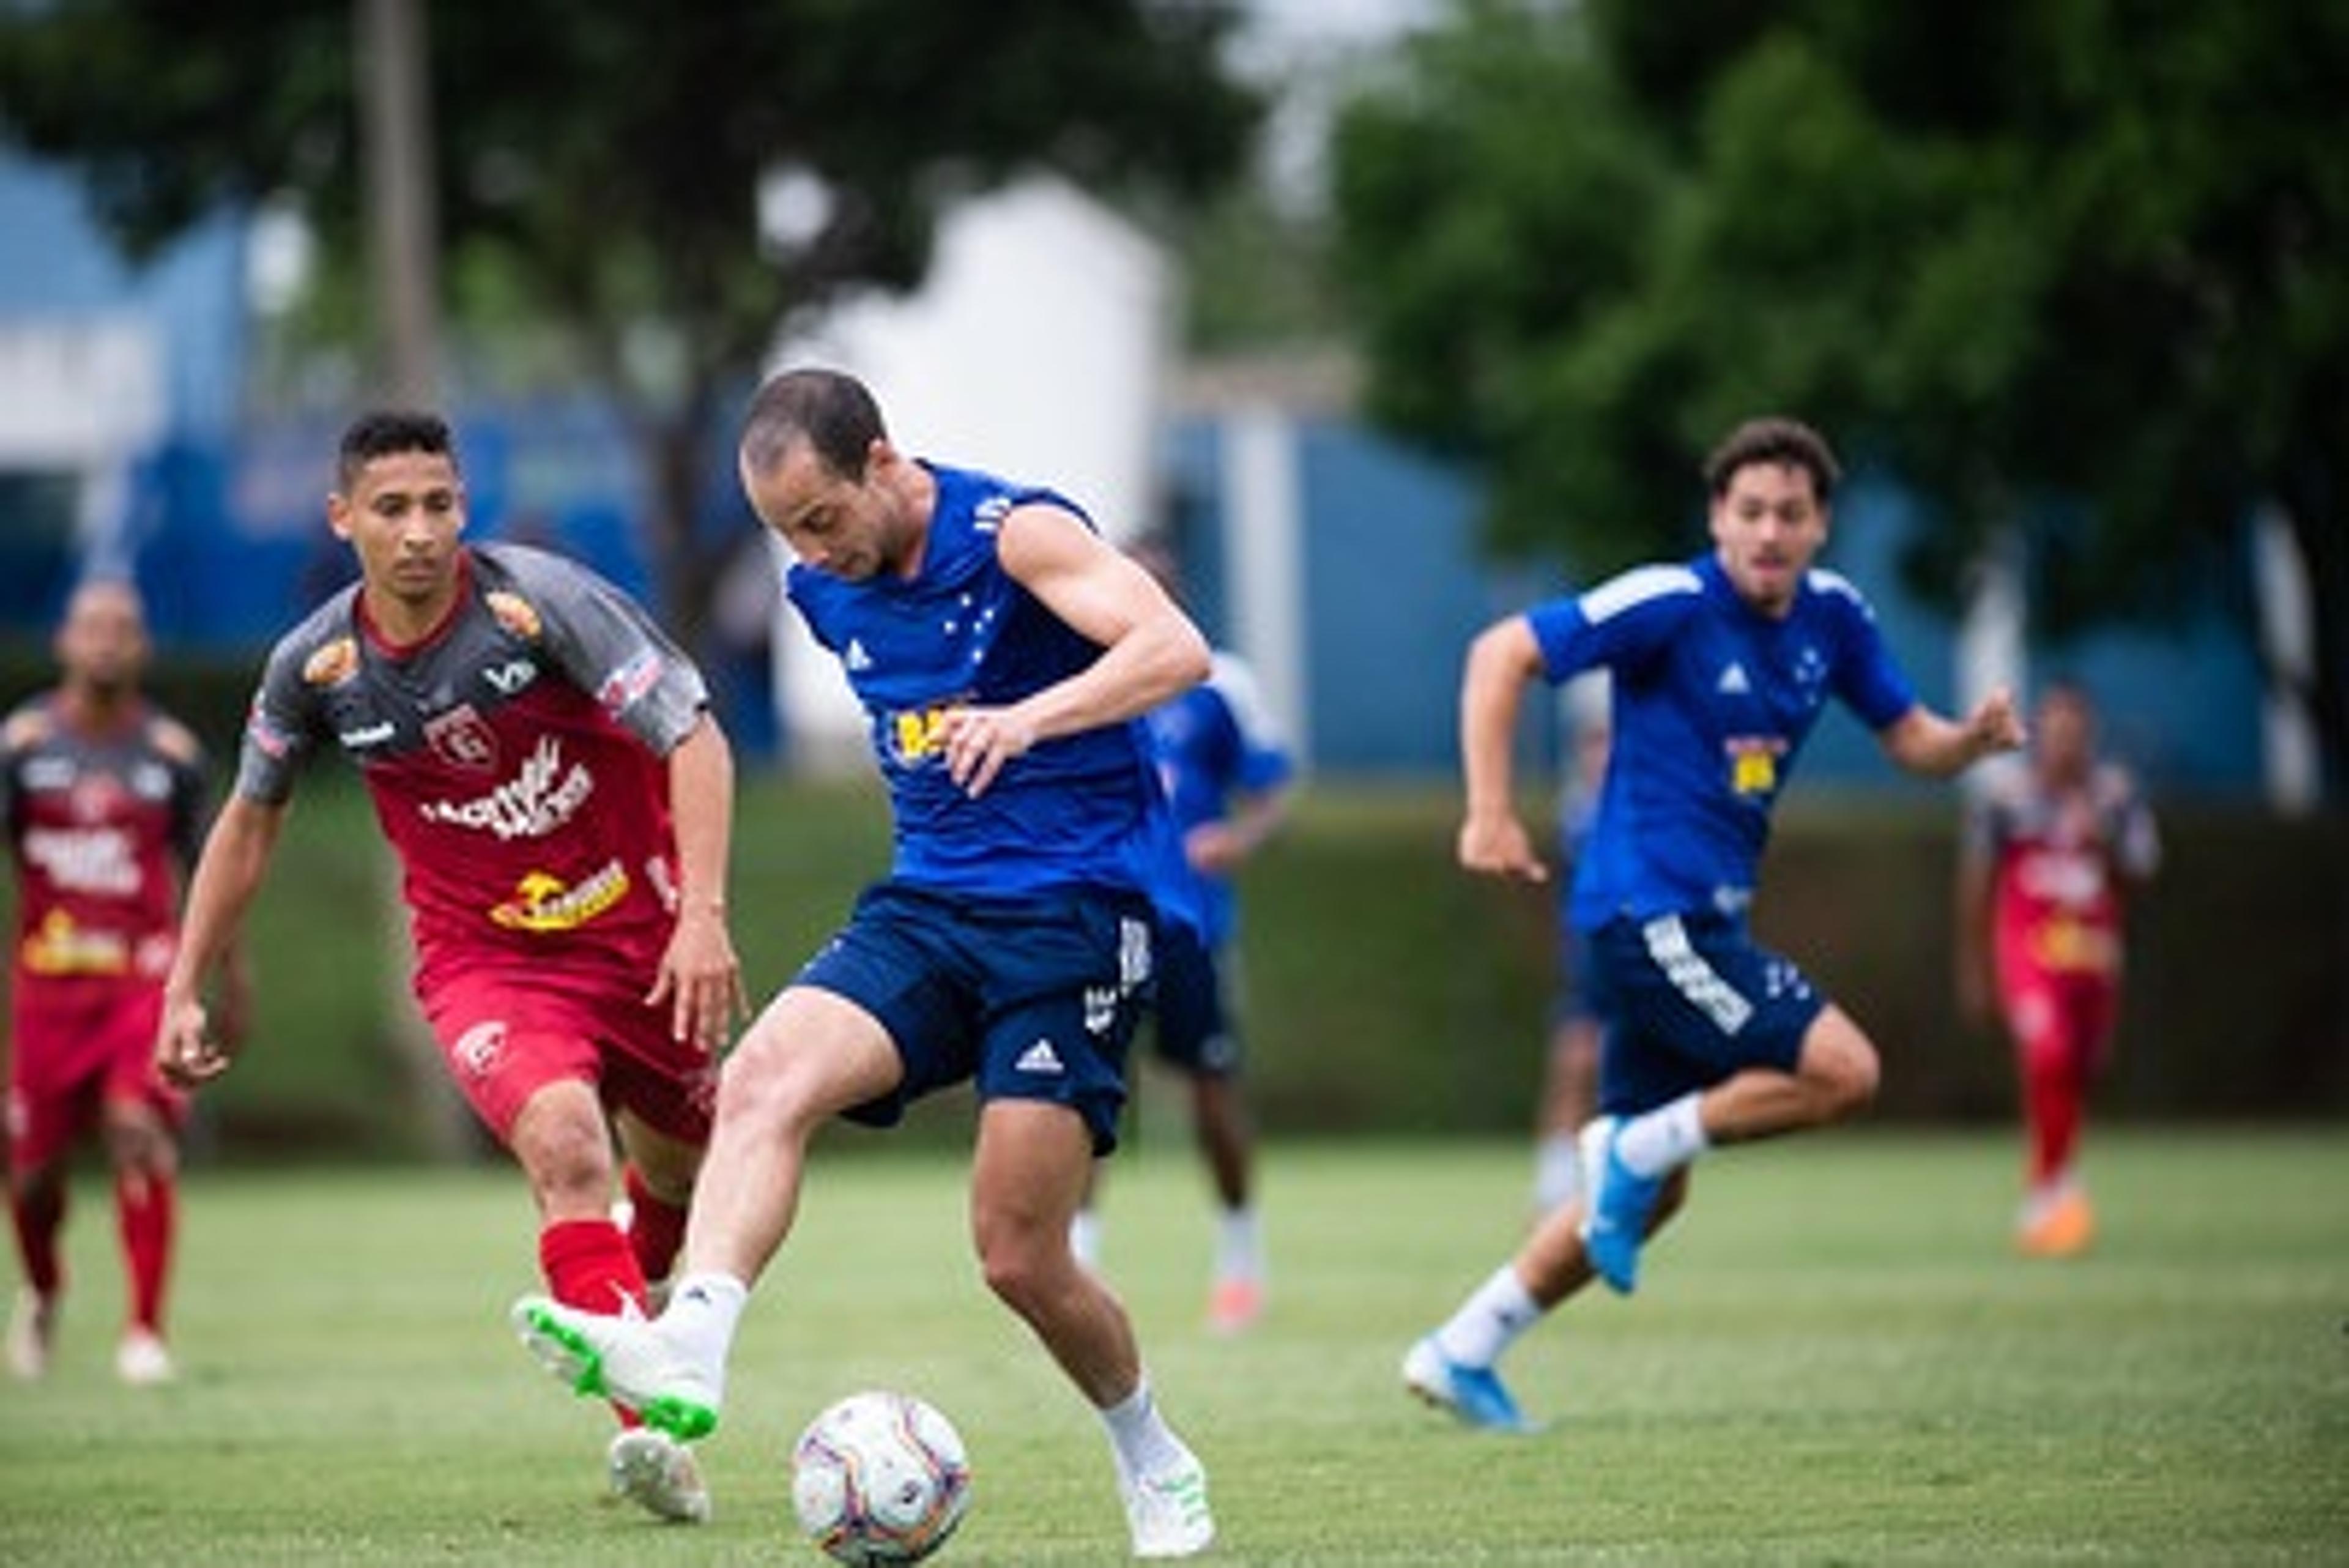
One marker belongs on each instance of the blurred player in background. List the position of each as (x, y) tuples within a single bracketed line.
[(544, 767), (2051, 851), (104, 796), (1570, 1064), (1720, 667), (1226, 772), (1004, 655)]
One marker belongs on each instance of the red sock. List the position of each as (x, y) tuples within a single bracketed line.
[(2052, 1095), (588, 1264), (655, 1226), (147, 1212), (39, 1212)]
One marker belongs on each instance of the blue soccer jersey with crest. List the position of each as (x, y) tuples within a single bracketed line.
[(1711, 704), (1083, 810)]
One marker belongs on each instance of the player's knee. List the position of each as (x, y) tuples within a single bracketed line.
[(1840, 1066)]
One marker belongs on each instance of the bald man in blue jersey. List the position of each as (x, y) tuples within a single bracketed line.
[(1720, 668), (1005, 655)]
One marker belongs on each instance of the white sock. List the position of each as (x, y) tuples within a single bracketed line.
[(700, 1319), (1239, 1245), (1138, 1437), (1489, 1321), (1663, 1139), (1557, 1172), (1085, 1237)]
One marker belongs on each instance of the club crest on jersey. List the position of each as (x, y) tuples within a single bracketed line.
[(332, 664), (463, 739), (544, 902), (1754, 763), (514, 613)]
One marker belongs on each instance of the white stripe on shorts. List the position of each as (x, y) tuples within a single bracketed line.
[(1695, 979)]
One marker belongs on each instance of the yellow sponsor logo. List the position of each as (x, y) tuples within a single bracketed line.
[(543, 902), (918, 734), (1754, 763), (56, 947)]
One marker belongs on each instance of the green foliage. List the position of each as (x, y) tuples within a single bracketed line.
[(1833, 1358), (2022, 254)]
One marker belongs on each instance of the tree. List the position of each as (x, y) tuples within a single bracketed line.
[(2065, 268), (601, 164)]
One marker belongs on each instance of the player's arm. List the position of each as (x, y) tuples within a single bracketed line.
[(1149, 649), (1255, 815), (235, 859), (1923, 742), (700, 976), (1504, 660)]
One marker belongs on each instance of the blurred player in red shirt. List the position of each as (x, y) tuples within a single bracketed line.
[(543, 763), (104, 799), (2050, 851)]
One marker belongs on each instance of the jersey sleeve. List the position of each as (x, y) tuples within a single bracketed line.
[(1622, 621), (281, 726), (2135, 841), (609, 647), (1866, 677)]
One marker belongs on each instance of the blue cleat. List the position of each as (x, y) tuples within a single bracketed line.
[(1474, 1394), (1618, 1205)]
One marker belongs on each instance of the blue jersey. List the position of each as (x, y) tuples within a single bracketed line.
[(1712, 703), (1083, 810), (1214, 742)]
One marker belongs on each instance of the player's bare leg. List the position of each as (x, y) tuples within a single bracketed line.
[(1027, 1175), (1220, 1123)]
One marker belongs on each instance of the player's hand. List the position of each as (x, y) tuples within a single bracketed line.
[(701, 980), (185, 1054), (979, 741), (1216, 848), (1497, 845), (1995, 725)]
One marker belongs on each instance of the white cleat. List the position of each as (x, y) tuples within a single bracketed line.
[(624, 1359), (659, 1475), (1167, 1509), (141, 1360), (32, 1329)]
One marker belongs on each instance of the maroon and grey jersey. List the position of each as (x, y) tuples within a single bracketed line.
[(516, 757), (101, 825)]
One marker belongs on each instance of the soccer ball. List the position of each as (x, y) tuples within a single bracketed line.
[(879, 1477)]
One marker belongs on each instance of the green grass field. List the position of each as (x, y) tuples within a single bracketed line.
[(1834, 1360)]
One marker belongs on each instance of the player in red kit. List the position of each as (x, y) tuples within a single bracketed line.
[(103, 795), (2050, 853), (542, 761)]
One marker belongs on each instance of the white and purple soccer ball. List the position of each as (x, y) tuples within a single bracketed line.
[(880, 1478)]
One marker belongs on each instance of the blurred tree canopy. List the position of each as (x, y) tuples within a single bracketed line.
[(2071, 270), (599, 164)]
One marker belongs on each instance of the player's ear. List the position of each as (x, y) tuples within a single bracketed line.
[(338, 515)]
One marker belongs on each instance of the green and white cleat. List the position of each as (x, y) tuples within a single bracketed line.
[(1166, 1510), (624, 1359)]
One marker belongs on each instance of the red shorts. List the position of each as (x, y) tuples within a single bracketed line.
[(2059, 1018), (506, 1033), (81, 1044)]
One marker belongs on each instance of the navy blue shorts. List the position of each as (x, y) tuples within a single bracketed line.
[(1689, 1000), (1570, 1002), (1191, 1029), (1031, 998)]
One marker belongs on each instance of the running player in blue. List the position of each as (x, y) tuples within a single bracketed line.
[(1720, 668), (1226, 771), (1004, 654)]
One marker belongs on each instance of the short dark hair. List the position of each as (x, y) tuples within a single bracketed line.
[(386, 431), (830, 410), (1773, 441)]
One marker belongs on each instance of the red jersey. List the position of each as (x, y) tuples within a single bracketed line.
[(515, 756), (2059, 859), (100, 824)]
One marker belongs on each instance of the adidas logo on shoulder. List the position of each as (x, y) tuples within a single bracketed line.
[(1039, 1059), (1732, 682), (856, 659)]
